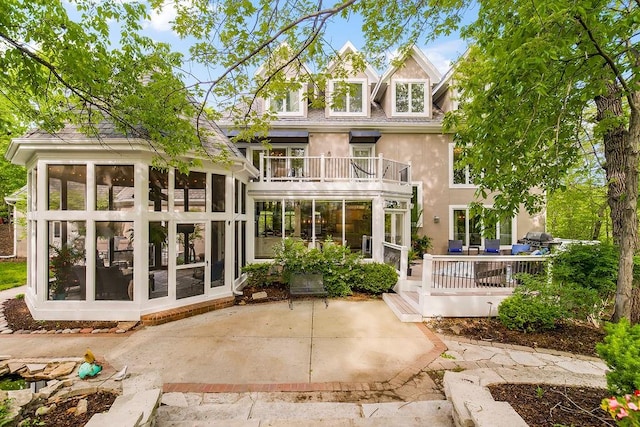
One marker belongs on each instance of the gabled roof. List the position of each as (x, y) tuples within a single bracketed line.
[(420, 58), (348, 47), (446, 79)]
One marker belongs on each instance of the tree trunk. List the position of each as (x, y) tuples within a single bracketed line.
[(595, 234), (621, 154)]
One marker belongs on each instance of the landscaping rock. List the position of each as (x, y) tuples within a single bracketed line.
[(82, 406)]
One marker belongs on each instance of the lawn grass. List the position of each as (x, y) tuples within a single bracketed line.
[(12, 274)]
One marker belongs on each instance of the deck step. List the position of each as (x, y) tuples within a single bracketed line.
[(401, 308)]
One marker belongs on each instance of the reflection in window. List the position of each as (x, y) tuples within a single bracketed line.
[(114, 260), (268, 228), (190, 193), (358, 228), (328, 221), (217, 253), (410, 97), (158, 190), (462, 175), (158, 259), (290, 103), (218, 192), (67, 187), (114, 187), (67, 266), (190, 260), (347, 98), (471, 229)]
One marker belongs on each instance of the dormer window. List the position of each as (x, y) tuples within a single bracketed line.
[(410, 97), (289, 105), (348, 97)]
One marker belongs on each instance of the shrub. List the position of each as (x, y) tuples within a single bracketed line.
[(529, 312), (338, 266), (376, 278), (590, 266), (621, 352), (421, 245), (260, 274)]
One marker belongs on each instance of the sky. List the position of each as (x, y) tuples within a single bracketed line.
[(442, 53)]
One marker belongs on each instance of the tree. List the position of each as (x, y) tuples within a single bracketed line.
[(526, 85), (533, 73), (60, 66), (579, 208), (13, 176)]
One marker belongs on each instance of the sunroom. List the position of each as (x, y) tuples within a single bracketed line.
[(110, 237)]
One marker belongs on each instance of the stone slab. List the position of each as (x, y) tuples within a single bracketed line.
[(525, 358), (175, 399), (494, 414), (125, 419), (433, 408), (304, 411), (139, 382), (145, 402)]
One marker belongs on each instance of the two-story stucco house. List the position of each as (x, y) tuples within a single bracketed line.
[(110, 237)]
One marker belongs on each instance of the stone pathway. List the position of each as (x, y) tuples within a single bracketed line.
[(464, 354)]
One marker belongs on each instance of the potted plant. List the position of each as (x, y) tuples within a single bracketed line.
[(61, 267)]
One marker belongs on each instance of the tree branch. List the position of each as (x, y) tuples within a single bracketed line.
[(328, 12), (610, 62)]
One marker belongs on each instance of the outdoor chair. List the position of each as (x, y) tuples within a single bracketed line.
[(492, 246), (455, 247)]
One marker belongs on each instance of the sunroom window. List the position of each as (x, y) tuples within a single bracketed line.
[(410, 97)]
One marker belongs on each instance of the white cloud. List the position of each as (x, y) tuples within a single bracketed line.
[(161, 20), (444, 54)]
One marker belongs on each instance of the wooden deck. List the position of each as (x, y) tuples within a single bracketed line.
[(401, 308)]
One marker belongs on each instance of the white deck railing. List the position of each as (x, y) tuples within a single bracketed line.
[(471, 286), (324, 168)]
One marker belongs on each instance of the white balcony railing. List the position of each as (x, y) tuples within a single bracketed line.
[(326, 169)]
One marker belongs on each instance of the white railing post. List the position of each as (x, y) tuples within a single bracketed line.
[(262, 175), (404, 262), (322, 167), (427, 282)]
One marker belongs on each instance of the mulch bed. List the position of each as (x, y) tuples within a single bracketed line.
[(572, 337), (63, 415), (549, 406), (19, 318)]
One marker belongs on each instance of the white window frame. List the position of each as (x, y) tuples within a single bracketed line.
[(301, 109), (427, 98), (288, 154), (465, 241), (365, 98), (468, 183)]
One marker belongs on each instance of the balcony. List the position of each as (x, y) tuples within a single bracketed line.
[(333, 169)]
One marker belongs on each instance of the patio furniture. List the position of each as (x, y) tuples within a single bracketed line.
[(455, 247), (492, 246), (111, 284), (307, 285), (520, 248)]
